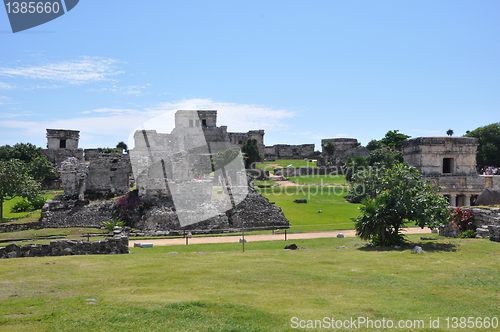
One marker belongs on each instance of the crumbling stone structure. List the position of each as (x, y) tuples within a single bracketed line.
[(86, 171), (344, 148), (449, 163), (117, 245), (285, 151), (486, 222)]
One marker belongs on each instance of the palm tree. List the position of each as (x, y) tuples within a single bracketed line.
[(449, 132)]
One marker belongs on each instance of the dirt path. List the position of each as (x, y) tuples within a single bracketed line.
[(262, 237)]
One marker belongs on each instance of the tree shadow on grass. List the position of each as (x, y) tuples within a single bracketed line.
[(427, 246)]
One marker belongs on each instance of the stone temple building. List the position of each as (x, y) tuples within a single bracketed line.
[(450, 164), (86, 171)]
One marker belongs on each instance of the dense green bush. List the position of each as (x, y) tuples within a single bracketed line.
[(468, 234), (38, 202), (22, 206)]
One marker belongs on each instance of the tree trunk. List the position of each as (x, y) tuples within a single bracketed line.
[(1, 208)]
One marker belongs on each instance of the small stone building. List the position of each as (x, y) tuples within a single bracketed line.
[(62, 144)]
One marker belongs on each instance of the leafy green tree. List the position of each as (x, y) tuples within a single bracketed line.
[(384, 158), (16, 181), (222, 158), (330, 150), (36, 162), (394, 139), (374, 145), (352, 165), (488, 151), (251, 152), (122, 146), (401, 197), (449, 132)]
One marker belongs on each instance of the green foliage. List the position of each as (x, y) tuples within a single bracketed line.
[(400, 197), (122, 146), (251, 153), (488, 151), (449, 132), (374, 145), (329, 148), (384, 158), (110, 225), (352, 165), (21, 206), (109, 150), (470, 233), (36, 162), (223, 158), (394, 139), (16, 181), (38, 202)]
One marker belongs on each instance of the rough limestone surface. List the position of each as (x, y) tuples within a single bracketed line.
[(117, 245), (75, 213)]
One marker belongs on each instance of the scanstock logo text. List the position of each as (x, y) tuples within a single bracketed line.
[(25, 15)]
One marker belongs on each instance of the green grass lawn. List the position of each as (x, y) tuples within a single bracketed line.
[(319, 180), (264, 183), (270, 165), (337, 213), (216, 287), (23, 217)]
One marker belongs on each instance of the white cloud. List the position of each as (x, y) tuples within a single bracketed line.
[(126, 90), (86, 69), (5, 86), (107, 126), (238, 117)]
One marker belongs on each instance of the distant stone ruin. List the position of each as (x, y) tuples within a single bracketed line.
[(344, 149)]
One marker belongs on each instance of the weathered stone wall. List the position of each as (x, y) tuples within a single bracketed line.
[(57, 156), (301, 171), (109, 173), (8, 228), (258, 174), (285, 151), (74, 213), (344, 148), (67, 247)]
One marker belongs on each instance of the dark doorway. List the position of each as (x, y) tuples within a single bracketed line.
[(62, 144), (447, 165), (204, 123)]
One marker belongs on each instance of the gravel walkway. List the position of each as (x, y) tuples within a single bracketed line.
[(261, 237)]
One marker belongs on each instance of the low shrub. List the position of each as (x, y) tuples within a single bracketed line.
[(22, 206), (468, 234), (38, 202), (110, 225)]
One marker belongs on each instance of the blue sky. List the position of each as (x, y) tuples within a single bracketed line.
[(301, 70)]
